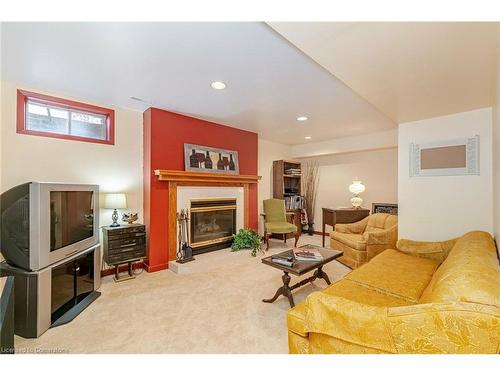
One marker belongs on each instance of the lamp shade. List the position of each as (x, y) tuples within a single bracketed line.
[(356, 187), (115, 200)]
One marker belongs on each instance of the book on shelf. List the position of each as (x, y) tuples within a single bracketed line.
[(307, 253), (294, 202), (293, 171)]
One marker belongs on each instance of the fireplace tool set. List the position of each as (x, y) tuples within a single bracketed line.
[(184, 251)]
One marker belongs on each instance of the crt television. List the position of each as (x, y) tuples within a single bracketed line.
[(43, 223)]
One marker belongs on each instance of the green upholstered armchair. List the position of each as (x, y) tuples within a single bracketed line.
[(275, 220)]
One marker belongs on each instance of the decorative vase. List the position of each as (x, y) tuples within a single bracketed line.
[(208, 161), (310, 229), (220, 163), (231, 163), (193, 160)]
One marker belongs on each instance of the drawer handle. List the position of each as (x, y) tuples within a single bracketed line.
[(128, 244)]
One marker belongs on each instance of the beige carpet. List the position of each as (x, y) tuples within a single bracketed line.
[(215, 308)]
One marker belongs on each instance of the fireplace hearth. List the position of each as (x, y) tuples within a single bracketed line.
[(213, 223)]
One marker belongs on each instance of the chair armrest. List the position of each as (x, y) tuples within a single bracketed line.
[(352, 228), (349, 321), (377, 242), (438, 250), (456, 327), (388, 236)]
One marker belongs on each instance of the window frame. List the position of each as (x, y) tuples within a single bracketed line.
[(21, 125)]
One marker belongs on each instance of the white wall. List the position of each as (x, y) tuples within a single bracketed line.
[(378, 170), (267, 153), (442, 207), (115, 168)]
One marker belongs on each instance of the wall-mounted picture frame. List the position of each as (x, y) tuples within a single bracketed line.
[(456, 157), (198, 158), (385, 208)]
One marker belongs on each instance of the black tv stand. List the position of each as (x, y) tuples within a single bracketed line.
[(77, 309), (54, 295)]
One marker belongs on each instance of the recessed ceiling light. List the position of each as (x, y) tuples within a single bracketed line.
[(218, 85), (307, 137), (302, 118)]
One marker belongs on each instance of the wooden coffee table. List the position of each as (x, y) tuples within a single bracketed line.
[(300, 268)]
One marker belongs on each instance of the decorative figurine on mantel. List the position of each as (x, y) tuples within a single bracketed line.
[(184, 251)]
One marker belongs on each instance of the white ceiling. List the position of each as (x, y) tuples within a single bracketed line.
[(171, 65), (409, 71)]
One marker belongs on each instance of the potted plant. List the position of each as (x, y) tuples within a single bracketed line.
[(310, 180), (247, 239)]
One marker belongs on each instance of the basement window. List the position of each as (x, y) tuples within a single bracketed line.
[(48, 116)]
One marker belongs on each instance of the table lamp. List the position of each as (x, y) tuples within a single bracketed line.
[(356, 188), (115, 201)]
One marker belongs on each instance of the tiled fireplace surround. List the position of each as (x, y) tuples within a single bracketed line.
[(168, 188)]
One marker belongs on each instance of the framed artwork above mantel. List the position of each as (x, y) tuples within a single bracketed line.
[(206, 159)]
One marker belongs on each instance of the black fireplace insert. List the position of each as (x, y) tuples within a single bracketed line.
[(213, 223)]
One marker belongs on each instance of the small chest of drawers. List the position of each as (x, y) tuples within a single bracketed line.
[(123, 244)]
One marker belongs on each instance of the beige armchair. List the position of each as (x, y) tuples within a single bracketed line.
[(363, 240)]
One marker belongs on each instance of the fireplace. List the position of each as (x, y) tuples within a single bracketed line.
[(213, 223)]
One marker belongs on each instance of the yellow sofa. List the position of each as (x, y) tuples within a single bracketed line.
[(439, 297), (363, 240)]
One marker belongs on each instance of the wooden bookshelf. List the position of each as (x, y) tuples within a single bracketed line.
[(285, 184)]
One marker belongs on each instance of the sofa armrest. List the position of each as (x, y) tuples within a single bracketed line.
[(456, 327), (352, 228), (349, 321), (438, 250)]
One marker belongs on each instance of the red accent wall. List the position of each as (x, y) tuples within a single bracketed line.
[(165, 134)]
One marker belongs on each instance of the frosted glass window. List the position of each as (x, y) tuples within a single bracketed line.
[(41, 117), (52, 119)]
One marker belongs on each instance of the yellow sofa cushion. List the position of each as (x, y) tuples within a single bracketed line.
[(349, 290), (354, 241), (470, 273), (359, 293), (397, 274)]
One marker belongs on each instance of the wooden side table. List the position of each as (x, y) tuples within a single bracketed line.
[(299, 268), (332, 216)]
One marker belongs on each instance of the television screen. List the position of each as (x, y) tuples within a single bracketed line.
[(71, 217)]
